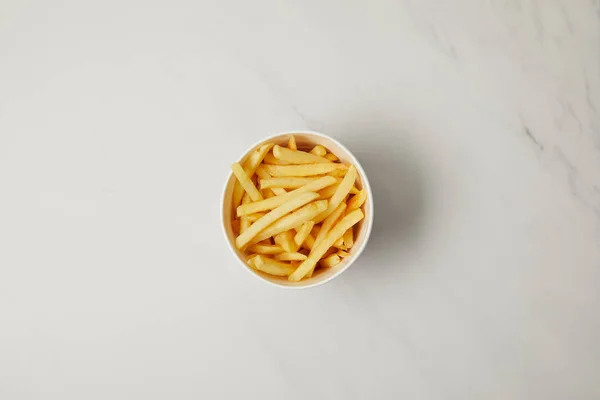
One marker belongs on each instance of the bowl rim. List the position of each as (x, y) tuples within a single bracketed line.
[(369, 204)]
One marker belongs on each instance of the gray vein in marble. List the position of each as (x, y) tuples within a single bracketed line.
[(567, 19), (588, 94), (532, 138), (569, 168)]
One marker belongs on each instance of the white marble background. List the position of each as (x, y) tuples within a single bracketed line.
[(477, 121)]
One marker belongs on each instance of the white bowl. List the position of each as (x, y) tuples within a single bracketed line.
[(304, 140)]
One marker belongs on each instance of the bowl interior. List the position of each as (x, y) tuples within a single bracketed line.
[(305, 141)]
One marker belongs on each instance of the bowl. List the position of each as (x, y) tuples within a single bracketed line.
[(305, 141)]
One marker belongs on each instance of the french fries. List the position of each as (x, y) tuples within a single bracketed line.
[(246, 182), (269, 204), (290, 257), (340, 193), (294, 220), (297, 157), (297, 202), (295, 209), (330, 261), (318, 251), (250, 166), (286, 241), (304, 169), (271, 267), (265, 249), (286, 183), (303, 232)]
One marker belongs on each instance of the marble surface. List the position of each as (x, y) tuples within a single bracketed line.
[(478, 123)]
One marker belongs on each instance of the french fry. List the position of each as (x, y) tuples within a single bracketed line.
[(272, 267), (286, 183), (292, 143), (250, 166), (357, 200), (334, 234), (297, 157), (270, 159), (244, 221), (303, 232), (349, 238), (246, 182), (290, 257), (267, 193), (255, 217), (309, 242), (328, 253), (329, 222), (340, 243), (330, 190), (330, 261), (262, 174), (286, 241), (325, 228), (339, 195), (331, 157), (338, 173), (304, 170), (342, 253), (294, 202), (292, 221), (318, 150), (279, 191), (265, 249), (273, 202)]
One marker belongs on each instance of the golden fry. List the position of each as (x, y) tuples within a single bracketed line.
[(309, 242), (303, 232), (279, 191), (292, 221), (286, 241), (271, 267), (329, 222), (292, 143), (296, 202), (297, 157), (331, 157), (304, 170), (276, 201), (340, 193), (265, 249), (357, 200), (330, 261), (342, 253), (287, 183), (244, 221), (250, 166), (290, 257), (270, 159), (255, 217), (334, 234), (246, 182), (349, 238), (318, 150)]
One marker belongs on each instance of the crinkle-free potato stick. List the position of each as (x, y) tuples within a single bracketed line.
[(299, 212)]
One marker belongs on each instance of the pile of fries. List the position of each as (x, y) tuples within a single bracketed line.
[(295, 210)]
